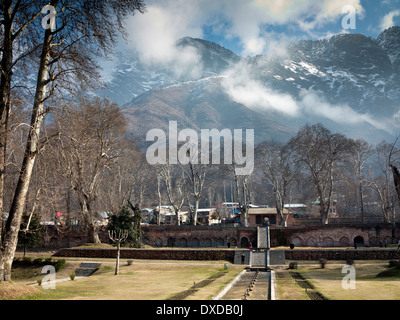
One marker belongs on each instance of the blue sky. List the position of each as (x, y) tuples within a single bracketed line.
[(254, 26)]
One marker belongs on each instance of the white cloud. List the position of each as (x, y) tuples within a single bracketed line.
[(313, 103), (387, 20), (155, 32), (243, 89)]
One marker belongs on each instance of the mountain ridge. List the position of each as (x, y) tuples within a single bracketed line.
[(348, 83)]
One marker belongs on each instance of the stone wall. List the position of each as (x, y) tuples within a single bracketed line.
[(199, 236), (218, 237), (337, 236)]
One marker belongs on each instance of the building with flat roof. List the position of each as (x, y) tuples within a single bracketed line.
[(258, 215)]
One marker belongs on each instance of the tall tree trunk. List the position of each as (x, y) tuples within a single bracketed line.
[(396, 179), (93, 235), (195, 210), (92, 230), (360, 188), (118, 256), (31, 151), (5, 102), (159, 202)]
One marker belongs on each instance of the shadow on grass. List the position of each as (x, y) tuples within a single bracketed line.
[(184, 294)]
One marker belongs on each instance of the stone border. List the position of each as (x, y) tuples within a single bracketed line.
[(229, 286)]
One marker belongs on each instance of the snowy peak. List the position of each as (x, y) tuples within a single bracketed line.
[(350, 83), (195, 59), (214, 57)]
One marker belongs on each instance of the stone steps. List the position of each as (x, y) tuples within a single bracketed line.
[(259, 259), (262, 238), (86, 269)]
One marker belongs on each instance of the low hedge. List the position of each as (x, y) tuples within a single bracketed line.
[(160, 254)]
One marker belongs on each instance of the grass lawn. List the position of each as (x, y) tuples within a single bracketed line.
[(287, 288), (368, 286), (162, 280), (143, 280)]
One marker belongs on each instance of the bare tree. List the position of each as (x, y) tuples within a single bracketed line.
[(118, 237), (159, 200), (393, 160), (81, 30), (280, 170), (174, 182), (90, 145), (322, 153), (129, 178), (383, 183), (16, 20), (243, 195), (361, 152), (196, 174)]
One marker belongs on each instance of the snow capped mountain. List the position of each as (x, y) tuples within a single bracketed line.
[(350, 83), (132, 77)]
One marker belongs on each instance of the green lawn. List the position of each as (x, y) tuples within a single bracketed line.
[(367, 286), (143, 280)]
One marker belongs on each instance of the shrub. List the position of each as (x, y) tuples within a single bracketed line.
[(394, 264), (293, 265), (59, 265), (38, 261), (322, 263), (72, 276), (393, 272), (27, 261), (292, 246), (130, 262), (39, 281), (349, 262)]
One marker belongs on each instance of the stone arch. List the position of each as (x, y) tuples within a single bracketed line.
[(65, 242), (312, 242), (158, 242), (207, 243), (387, 240), (195, 243), (244, 242), (182, 243), (328, 242), (220, 242), (373, 242), (298, 242), (232, 242), (344, 242), (53, 242), (171, 242), (359, 241)]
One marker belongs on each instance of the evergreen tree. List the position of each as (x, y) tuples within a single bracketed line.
[(126, 220), (31, 236)]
